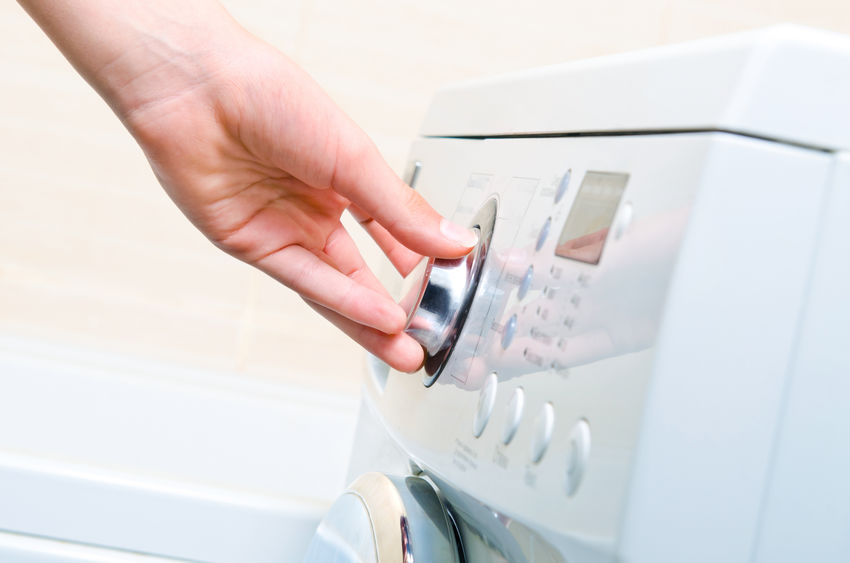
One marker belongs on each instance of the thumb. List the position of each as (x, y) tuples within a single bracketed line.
[(364, 178)]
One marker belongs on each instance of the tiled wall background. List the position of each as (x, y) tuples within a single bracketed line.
[(92, 253)]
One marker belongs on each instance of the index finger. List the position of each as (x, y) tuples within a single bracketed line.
[(363, 177)]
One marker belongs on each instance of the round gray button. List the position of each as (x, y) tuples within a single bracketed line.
[(579, 451), (544, 233), (486, 400), (563, 185), (525, 284), (509, 332), (542, 432), (514, 415)]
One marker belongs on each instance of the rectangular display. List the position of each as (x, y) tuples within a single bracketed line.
[(586, 229)]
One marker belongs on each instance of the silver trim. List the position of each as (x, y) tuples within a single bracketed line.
[(404, 517)]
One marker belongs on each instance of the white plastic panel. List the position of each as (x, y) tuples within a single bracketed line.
[(807, 510), (169, 519), (723, 355), (148, 458), (16, 548), (786, 82)]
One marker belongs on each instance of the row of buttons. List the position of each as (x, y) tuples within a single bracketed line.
[(545, 311), (544, 423), (525, 284), (516, 406)]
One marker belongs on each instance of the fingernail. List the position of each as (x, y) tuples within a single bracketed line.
[(461, 235)]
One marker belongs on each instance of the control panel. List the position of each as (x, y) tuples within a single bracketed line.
[(540, 342)]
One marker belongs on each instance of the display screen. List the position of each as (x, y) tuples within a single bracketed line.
[(586, 229)]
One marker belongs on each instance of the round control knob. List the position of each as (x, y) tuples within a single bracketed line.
[(442, 292)]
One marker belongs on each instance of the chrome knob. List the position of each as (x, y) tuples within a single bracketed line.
[(441, 292), (443, 289)]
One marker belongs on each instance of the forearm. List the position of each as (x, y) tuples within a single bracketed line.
[(137, 52)]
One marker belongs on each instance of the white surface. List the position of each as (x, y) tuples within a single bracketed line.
[(806, 515), (725, 347), (787, 82), (106, 451), (17, 548)]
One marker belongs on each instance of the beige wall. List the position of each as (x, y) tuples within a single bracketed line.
[(93, 254)]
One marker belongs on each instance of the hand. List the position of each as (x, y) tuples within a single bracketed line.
[(259, 158)]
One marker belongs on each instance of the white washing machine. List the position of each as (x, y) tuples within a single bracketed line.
[(645, 359)]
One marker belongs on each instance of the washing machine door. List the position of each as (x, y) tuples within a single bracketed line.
[(386, 519)]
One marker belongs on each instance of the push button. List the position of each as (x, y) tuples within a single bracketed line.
[(543, 425), (577, 455), (563, 185), (544, 234), (486, 400), (525, 284), (509, 332), (514, 415)]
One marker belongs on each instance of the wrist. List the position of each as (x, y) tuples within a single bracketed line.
[(165, 59), (139, 52)]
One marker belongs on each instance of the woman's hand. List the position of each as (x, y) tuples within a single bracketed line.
[(256, 155)]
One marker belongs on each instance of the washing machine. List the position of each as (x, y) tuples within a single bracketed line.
[(644, 359)]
